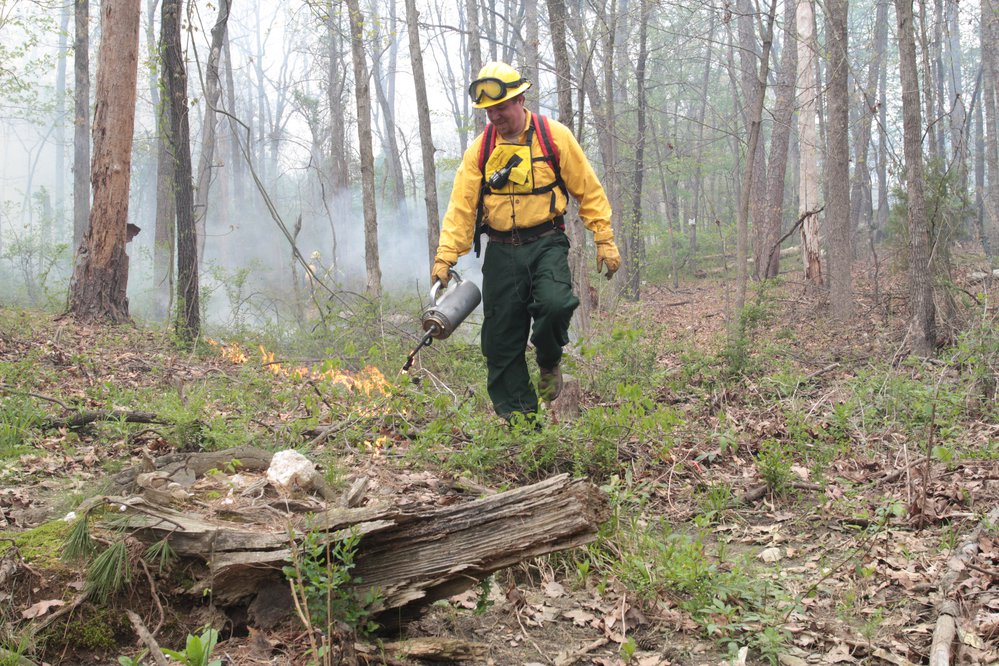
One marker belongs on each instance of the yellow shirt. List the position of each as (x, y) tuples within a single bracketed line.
[(502, 212)]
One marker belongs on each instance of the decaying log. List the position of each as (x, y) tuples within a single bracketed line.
[(185, 467), (410, 557), (447, 650)]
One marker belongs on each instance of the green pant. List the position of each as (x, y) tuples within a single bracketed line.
[(521, 283)]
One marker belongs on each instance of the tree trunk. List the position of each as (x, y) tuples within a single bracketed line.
[(767, 254), (426, 137), (188, 321), (337, 101), (634, 268), (958, 114), (60, 127), (577, 242), (837, 161), (990, 105), (213, 90), (860, 195), (100, 279), (81, 123), (808, 187), (709, 49), (530, 53), (755, 116), (474, 58), (384, 79), (749, 62), (362, 96), (922, 326), (165, 232)]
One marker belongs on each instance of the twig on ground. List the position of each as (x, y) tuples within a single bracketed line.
[(147, 639)]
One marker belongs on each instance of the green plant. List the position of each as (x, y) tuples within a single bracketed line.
[(132, 661), (325, 590), (18, 416), (774, 465), (197, 650), (109, 571)]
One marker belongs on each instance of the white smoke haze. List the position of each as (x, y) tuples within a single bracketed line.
[(246, 273)]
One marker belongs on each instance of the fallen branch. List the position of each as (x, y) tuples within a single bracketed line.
[(573, 657), (147, 639), (758, 492), (944, 634), (86, 418)]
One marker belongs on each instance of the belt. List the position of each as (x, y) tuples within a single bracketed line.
[(523, 236)]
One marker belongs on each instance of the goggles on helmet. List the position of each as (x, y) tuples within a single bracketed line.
[(493, 88)]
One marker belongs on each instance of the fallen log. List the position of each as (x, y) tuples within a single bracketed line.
[(409, 556)]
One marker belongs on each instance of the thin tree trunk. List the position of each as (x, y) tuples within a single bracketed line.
[(860, 196), (709, 49), (808, 187), (336, 99), (577, 242), (755, 121), (767, 254), (100, 279), (749, 59), (990, 105), (922, 326), (474, 55), (426, 137), (213, 90), (60, 128), (362, 94), (81, 123), (188, 321), (958, 114), (837, 162), (165, 231), (634, 269)]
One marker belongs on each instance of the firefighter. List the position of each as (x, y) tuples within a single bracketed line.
[(513, 185)]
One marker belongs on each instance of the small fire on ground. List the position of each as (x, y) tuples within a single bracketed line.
[(368, 380)]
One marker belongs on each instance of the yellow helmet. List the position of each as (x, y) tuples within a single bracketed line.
[(496, 82)]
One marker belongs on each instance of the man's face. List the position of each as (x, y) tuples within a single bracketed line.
[(508, 117)]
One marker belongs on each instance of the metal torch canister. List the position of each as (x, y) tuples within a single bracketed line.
[(446, 313)]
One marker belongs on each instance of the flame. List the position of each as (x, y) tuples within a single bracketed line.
[(232, 353), (368, 381)]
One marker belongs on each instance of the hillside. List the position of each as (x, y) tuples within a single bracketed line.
[(803, 490)]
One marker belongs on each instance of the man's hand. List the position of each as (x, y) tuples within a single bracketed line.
[(440, 272), (607, 255)]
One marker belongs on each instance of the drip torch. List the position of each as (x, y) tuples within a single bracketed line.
[(446, 313)]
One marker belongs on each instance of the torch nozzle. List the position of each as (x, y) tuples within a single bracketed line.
[(426, 341)]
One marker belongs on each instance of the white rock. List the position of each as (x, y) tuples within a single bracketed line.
[(290, 470)]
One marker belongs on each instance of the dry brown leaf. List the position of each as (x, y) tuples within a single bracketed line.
[(41, 608)]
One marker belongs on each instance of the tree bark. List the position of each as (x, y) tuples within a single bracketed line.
[(81, 123), (411, 558), (213, 90), (755, 118), (100, 279), (922, 326), (767, 254), (860, 196), (427, 149), (634, 267), (837, 162), (362, 94), (474, 58), (188, 320), (750, 66), (808, 186), (577, 242), (165, 231), (990, 105)]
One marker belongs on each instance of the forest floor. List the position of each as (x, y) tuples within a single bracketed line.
[(843, 493)]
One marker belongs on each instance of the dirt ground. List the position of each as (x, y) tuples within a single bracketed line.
[(864, 596)]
